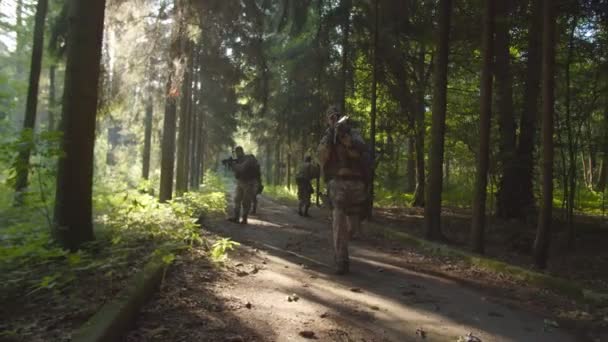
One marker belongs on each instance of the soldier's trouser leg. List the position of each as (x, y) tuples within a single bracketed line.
[(341, 236), (238, 200), (254, 204), (248, 193)]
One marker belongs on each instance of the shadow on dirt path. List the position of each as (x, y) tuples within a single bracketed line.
[(279, 286)]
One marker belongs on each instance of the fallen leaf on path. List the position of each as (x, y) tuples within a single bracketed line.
[(308, 334), (374, 307), (551, 323), (248, 305), (469, 338), (324, 315), (239, 264), (356, 289), (421, 333), (156, 331), (293, 298)]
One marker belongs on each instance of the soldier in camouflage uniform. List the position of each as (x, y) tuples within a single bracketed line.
[(306, 173), (345, 163), (246, 171)]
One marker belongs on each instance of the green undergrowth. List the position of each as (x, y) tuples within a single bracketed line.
[(130, 226), (282, 193), (561, 286)]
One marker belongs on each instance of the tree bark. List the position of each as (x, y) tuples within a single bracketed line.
[(481, 177), (432, 209), (572, 172), (52, 97), (23, 159), (372, 134), (346, 6), (411, 165), (147, 139), (73, 198), (167, 162), (419, 112), (505, 204), (524, 189), (603, 179), (543, 233), (181, 172)]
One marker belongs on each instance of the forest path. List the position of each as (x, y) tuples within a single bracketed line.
[(283, 255)]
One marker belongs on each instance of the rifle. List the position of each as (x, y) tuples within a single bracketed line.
[(228, 162), (340, 127)]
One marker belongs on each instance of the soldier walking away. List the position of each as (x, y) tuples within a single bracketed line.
[(306, 173), (246, 171), (346, 167)]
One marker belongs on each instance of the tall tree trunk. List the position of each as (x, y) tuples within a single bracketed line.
[(19, 40), (372, 133), (277, 164), (22, 164), (167, 162), (432, 209), (505, 204), (346, 7), (524, 189), (289, 152), (73, 198), (181, 171), (601, 185), (52, 97), (420, 130), (543, 234), (483, 157), (268, 168), (420, 111), (147, 139), (411, 165), (571, 141)]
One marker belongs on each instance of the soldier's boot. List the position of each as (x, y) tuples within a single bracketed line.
[(300, 209), (235, 218), (244, 220), (306, 210)]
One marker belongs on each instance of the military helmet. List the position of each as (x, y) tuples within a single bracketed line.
[(333, 110), (238, 148)]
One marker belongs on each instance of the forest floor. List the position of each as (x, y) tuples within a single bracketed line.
[(279, 286)]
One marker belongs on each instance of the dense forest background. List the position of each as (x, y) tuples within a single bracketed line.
[(450, 95), (487, 122)]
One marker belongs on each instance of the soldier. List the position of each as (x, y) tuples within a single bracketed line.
[(246, 170), (306, 172), (345, 163)]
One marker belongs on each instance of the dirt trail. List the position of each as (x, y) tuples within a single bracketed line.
[(280, 283)]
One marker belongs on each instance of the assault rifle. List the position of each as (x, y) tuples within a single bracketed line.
[(228, 162), (340, 127)]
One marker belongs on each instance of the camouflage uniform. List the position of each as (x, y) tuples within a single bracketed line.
[(245, 170), (306, 172), (346, 169)]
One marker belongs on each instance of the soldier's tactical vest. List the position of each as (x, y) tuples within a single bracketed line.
[(251, 170), (341, 162)]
